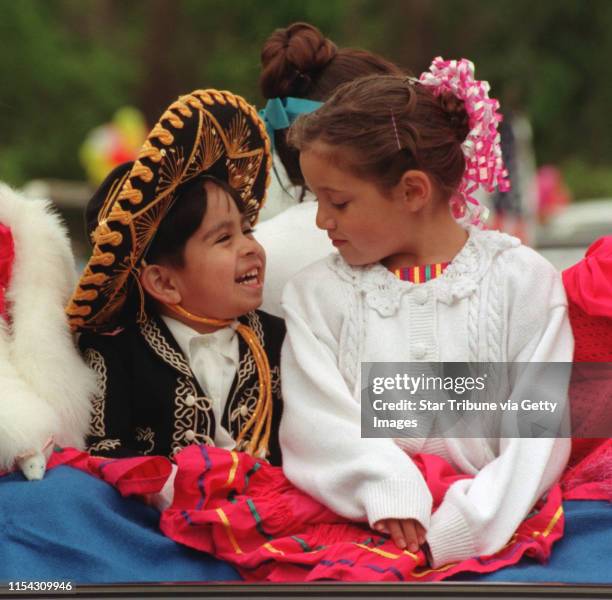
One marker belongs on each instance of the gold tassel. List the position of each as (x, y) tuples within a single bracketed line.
[(259, 426)]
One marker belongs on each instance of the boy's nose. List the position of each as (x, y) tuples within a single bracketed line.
[(324, 220), (251, 246)]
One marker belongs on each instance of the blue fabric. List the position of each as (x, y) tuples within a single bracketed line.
[(71, 526), (583, 555), (279, 113)]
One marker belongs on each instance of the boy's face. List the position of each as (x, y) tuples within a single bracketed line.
[(223, 272)]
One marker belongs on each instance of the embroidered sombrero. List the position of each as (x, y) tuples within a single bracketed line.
[(208, 132)]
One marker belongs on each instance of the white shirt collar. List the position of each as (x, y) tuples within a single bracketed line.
[(221, 340)]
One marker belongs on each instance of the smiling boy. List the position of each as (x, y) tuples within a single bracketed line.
[(167, 305)]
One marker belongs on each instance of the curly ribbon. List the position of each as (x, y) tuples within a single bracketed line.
[(279, 113), (7, 257), (481, 148)]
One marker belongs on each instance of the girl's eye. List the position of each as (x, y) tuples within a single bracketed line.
[(223, 238), (249, 231), (339, 205)]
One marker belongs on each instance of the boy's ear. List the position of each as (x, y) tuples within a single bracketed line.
[(158, 282), (416, 189)]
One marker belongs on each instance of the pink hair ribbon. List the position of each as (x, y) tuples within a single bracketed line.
[(481, 148)]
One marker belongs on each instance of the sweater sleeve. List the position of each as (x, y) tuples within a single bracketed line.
[(323, 451), (478, 516)]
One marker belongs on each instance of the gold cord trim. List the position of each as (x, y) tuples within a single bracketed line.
[(259, 426)]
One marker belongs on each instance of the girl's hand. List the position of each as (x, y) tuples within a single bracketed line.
[(406, 533)]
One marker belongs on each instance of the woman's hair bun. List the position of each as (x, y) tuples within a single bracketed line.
[(291, 58), (457, 115)]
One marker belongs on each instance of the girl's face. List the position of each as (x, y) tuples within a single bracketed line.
[(223, 272), (365, 224)]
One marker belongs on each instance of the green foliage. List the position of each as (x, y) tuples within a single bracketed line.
[(587, 181), (67, 65)]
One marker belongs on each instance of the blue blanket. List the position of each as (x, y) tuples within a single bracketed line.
[(71, 526)]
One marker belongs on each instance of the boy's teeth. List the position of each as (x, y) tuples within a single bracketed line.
[(248, 276)]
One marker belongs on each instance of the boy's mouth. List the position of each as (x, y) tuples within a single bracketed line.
[(251, 278)]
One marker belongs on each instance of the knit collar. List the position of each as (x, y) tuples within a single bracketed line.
[(383, 290)]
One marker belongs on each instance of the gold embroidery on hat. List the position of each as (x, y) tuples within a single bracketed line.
[(162, 134), (110, 198), (238, 135), (146, 227), (128, 192), (203, 154), (80, 311), (96, 279), (208, 149), (151, 152), (106, 259), (104, 236), (170, 171), (174, 119), (142, 171)]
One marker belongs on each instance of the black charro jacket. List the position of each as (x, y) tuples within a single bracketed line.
[(149, 401)]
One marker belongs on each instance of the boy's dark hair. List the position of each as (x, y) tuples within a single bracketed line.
[(382, 126), (300, 61), (183, 220)]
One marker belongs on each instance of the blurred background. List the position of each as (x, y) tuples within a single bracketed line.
[(82, 80)]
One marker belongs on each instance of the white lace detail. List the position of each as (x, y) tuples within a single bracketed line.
[(383, 290)]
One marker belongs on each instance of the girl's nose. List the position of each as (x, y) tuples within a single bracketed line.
[(324, 219)]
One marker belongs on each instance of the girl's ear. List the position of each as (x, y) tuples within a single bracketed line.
[(416, 189), (159, 282)]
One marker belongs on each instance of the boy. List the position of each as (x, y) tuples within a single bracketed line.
[(167, 303)]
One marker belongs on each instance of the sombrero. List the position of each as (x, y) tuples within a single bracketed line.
[(208, 132)]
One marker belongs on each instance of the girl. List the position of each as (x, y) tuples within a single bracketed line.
[(167, 303), (300, 68), (386, 156)]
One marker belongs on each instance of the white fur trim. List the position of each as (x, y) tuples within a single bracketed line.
[(46, 388)]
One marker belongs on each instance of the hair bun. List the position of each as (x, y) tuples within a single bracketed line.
[(290, 59), (457, 115)]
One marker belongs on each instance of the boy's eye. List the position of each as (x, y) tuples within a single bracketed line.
[(248, 231), (223, 238), (339, 205)]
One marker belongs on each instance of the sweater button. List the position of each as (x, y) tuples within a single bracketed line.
[(190, 400), (420, 296), (190, 435), (419, 350)]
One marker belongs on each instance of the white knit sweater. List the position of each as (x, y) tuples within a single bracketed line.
[(498, 301)]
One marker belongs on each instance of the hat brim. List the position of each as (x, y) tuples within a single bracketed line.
[(207, 132)]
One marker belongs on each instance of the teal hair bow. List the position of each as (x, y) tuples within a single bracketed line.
[(279, 113)]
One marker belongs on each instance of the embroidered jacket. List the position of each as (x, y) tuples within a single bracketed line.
[(150, 402)]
